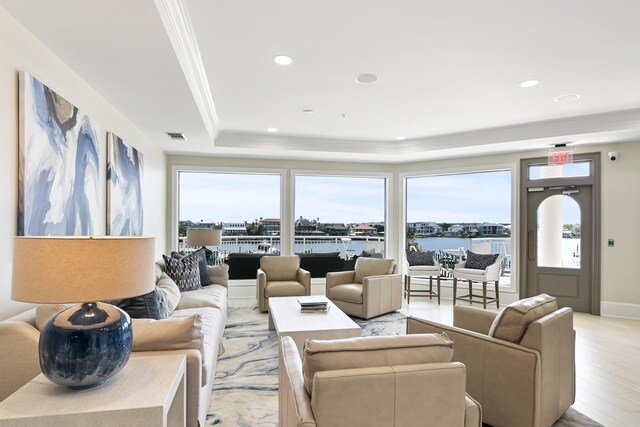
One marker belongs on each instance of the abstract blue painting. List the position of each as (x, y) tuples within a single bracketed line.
[(59, 165), (124, 188)]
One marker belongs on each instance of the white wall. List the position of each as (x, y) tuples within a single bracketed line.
[(21, 51), (620, 210)]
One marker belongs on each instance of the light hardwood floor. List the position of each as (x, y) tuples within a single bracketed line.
[(607, 362)]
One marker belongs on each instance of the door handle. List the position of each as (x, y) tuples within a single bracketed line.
[(531, 245)]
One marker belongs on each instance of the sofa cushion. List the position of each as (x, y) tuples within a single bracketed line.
[(185, 272), (351, 292), (283, 288), (480, 261), (214, 296), (366, 267), (278, 268), (171, 290), (420, 258), (365, 352), (511, 324)]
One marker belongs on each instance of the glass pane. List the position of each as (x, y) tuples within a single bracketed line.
[(559, 232), (340, 214), (449, 214), (572, 170), (246, 206)]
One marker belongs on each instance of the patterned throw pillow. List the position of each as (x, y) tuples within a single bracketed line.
[(205, 280), (479, 261), (420, 258), (185, 272)]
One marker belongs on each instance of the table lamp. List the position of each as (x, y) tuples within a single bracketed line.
[(83, 345), (204, 237)]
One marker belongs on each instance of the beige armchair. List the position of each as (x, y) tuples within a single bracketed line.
[(490, 273), (382, 381), (370, 290), (281, 276), (520, 362)]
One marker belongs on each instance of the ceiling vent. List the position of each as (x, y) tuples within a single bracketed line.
[(176, 136)]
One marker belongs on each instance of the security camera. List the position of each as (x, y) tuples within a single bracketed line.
[(613, 155)]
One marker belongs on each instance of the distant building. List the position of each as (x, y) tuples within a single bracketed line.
[(425, 228), (271, 226), (305, 226), (365, 230), (234, 229), (491, 229), (336, 229)]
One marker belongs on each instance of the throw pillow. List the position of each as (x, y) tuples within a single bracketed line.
[(512, 322), (205, 280), (479, 261), (219, 274), (168, 334), (152, 305), (420, 258), (184, 272)]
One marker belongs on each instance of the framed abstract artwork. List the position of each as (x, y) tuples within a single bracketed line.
[(124, 188), (59, 165)]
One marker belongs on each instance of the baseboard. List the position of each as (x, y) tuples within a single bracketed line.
[(620, 309)]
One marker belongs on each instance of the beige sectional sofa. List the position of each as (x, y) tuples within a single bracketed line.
[(194, 329)]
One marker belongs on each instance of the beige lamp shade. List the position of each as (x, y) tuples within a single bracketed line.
[(204, 237), (78, 269)]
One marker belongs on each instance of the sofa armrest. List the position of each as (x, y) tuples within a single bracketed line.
[(472, 413), (261, 279), (294, 403), (303, 276), (473, 319), (20, 358), (339, 278), (505, 378)]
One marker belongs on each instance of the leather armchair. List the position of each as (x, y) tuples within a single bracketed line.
[(489, 274), (391, 381), (520, 362), (372, 289), (281, 276)]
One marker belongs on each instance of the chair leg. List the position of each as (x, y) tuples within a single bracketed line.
[(408, 289), (484, 295), (430, 288), (497, 295), (455, 286), (438, 284), (470, 292)]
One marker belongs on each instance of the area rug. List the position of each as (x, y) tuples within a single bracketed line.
[(245, 391)]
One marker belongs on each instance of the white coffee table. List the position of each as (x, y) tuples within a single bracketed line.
[(287, 319)]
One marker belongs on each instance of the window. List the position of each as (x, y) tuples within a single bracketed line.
[(246, 206), (344, 214), (570, 170), (450, 214)]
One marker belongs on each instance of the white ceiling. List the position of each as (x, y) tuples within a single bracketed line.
[(448, 72)]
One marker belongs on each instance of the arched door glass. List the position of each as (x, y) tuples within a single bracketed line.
[(558, 240)]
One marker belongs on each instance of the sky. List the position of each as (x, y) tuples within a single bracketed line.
[(238, 197)]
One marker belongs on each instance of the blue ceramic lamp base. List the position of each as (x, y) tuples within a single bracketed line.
[(84, 345)]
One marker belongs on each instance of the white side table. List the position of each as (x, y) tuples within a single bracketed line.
[(149, 391)]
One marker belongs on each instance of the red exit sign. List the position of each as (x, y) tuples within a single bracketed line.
[(560, 156)]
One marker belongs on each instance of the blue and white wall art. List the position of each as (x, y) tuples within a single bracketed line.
[(59, 165), (124, 188)]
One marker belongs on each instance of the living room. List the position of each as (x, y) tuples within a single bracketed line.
[(25, 51)]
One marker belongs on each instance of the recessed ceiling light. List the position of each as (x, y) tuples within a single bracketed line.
[(529, 83), (400, 138), (307, 111), (272, 130), (366, 78), (282, 59), (567, 97)]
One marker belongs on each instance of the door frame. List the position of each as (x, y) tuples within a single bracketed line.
[(594, 182)]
